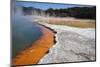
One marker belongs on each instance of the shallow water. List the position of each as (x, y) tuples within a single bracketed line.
[(24, 33)]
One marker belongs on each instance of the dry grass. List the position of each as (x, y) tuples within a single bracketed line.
[(70, 22)]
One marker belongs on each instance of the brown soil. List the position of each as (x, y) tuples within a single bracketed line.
[(70, 22)]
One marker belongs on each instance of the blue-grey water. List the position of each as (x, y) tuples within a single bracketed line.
[(24, 33)]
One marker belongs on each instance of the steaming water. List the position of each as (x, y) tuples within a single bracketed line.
[(24, 33)]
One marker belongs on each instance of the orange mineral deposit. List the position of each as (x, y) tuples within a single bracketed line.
[(33, 54)]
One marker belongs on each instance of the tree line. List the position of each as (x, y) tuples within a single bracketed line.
[(77, 12)]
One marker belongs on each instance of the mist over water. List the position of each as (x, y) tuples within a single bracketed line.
[(24, 32)]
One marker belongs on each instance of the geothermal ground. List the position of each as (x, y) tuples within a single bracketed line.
[(73, 44)]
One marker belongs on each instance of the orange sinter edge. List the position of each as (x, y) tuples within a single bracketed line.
[(38, 49)]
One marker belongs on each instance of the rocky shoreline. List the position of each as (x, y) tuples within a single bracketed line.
[(73, 45)]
